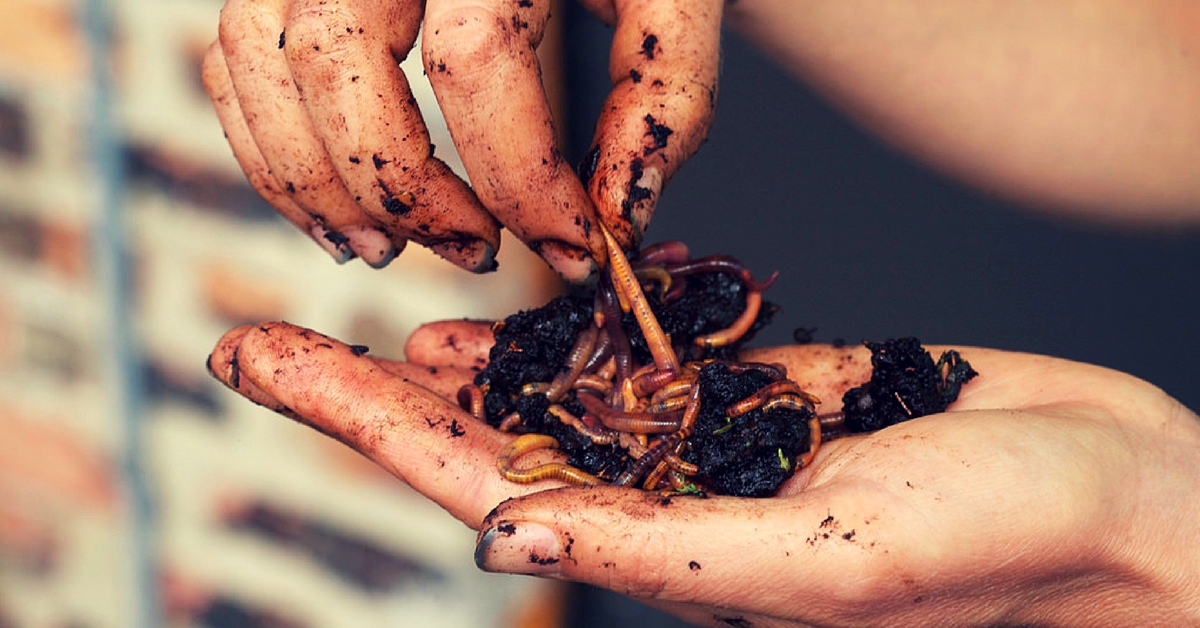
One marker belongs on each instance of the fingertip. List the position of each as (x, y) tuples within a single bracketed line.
[(519, 547), (642, 211), (214, 74), (335, 243), (373, 246), (225, 365), (571, 262), (626, 198), (473, 254), (460, 343), (223, 359)]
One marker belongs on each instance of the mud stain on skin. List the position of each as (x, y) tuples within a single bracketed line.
[(235, 370), (658, 134), (535, 559), (568, 547), (648, 45), (634, 193)]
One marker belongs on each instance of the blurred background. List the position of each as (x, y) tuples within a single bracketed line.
[(135, 491)]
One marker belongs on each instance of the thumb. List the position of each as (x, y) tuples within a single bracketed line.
[(663, 63), (720, 553)]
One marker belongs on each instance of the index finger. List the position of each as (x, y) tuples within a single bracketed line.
[(479, 55), (397, 415)]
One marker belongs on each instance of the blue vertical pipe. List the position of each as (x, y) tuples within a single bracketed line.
[(121, 364)]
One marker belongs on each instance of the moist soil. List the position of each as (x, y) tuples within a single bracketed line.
[(749, 455)]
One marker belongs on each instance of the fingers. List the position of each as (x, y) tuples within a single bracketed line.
[(1006, 379), (481, 62), (463, 344), (336, 90), (378, 409), (224, 363), (327, 130), (218, 84), (252, 33), (663, 66), (343, 55)]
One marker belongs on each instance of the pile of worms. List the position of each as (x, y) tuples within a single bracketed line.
[(638, 383)]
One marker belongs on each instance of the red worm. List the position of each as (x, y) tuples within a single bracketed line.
[(637, 422), (721, 264), (627, 284), (528, 443), (659, 253)]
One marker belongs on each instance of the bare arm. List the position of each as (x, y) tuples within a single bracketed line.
[(1083, 106)]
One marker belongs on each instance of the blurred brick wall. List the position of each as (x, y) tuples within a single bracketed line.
[(259, 522)]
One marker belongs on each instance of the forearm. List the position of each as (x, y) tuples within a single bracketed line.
[(1073, 105)]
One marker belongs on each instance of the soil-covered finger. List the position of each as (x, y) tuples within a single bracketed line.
[(344, 57), (1005, 380), (481, 61), (215, 75), (224, 364), (252, 37), (414, 433), (461, 343), (664, 64)]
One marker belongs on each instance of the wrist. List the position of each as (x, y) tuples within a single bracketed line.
[(1152, 548)]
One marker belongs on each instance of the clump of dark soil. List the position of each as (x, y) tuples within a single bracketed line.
[(745, 453), (749, 455), (532, 346), (905, 384)]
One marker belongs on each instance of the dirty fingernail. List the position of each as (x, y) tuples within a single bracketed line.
[(334, 243), (573, 263), (519, 547), (372, 245), (475, 255)]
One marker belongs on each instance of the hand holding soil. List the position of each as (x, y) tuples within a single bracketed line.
[(1051, 492), (324, 124)]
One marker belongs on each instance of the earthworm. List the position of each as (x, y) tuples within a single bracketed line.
[(576, 361), (607, 298), (470, 398), (528, 443), (724, 264), (599, 435), (627, 284), (624, 421), (669, 252), (601, 352), (651, 381), (734, 332), (762, 396)]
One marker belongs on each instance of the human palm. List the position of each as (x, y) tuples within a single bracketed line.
[(1052, 493)]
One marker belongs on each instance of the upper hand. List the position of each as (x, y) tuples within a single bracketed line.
[(322, 121), (1052, 493)]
